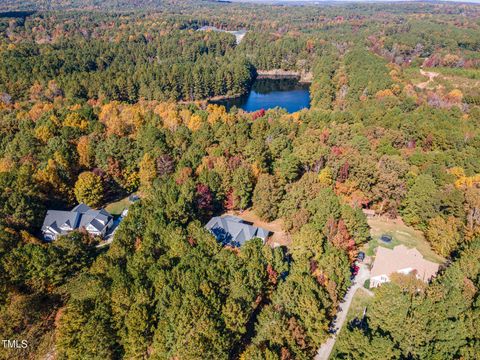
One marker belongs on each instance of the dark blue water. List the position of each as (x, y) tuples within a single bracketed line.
[(270, 93)]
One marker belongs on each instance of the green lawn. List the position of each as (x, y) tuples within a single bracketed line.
[(401, 234), (360, 301), (116, 208)]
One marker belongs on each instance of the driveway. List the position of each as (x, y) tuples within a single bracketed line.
[(111, 232), (327, 347)]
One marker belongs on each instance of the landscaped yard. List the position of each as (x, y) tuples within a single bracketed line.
[(116, 208), (401, 234)]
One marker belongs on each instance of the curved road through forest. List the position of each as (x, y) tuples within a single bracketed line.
[(327, 347)]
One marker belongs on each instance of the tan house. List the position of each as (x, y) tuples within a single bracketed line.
[(400, 260)]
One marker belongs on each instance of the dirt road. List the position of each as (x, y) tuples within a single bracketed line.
[(430, 74)]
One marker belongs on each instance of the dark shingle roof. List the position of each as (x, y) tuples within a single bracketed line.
[(81, 208), (56, 219), (232, 230), (81, 216)]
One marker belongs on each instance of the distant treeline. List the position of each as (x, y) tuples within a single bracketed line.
[(187, 66)]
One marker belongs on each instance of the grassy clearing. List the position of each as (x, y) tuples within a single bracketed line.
[(116, 208), (473, 74), (360, 301), (401, 234), (466, 80)]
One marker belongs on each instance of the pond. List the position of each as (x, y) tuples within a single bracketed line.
[(269, 93)]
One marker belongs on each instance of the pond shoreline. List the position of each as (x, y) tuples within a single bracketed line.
[(305, 77), (268, 92), (210, 100), (275, 74)]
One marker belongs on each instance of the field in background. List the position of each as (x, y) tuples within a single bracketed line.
[(465, 80)]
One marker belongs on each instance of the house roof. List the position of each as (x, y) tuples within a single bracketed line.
[(389, 261), (55, 219), (80, 216), (81, 208), (98, 223), (232, 230)]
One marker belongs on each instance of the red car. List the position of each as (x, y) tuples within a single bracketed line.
[(354, 270)]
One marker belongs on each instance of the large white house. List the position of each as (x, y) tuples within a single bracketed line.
[(400, 260), (95, 222)]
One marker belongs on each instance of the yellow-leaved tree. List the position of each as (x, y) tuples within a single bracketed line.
[(443, 234), (50, 180), (43, 133), (326, 176), (147, 172), (195, 122), (75, 120), (85, 156), (89, 189), (122, 119), (169, 114), (6, 164)]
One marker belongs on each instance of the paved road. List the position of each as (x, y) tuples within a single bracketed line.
[(327, 347)]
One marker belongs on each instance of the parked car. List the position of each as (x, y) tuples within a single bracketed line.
[(386, 238), (361, 256), (133, 198), (354, 270), (332, 330)]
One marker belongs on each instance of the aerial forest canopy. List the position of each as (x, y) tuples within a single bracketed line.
[(103, 99)]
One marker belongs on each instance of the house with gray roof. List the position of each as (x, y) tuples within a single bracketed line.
[(234, 231), (95, 222)]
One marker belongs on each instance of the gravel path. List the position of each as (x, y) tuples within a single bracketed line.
[(430, 74), (327, 347)]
